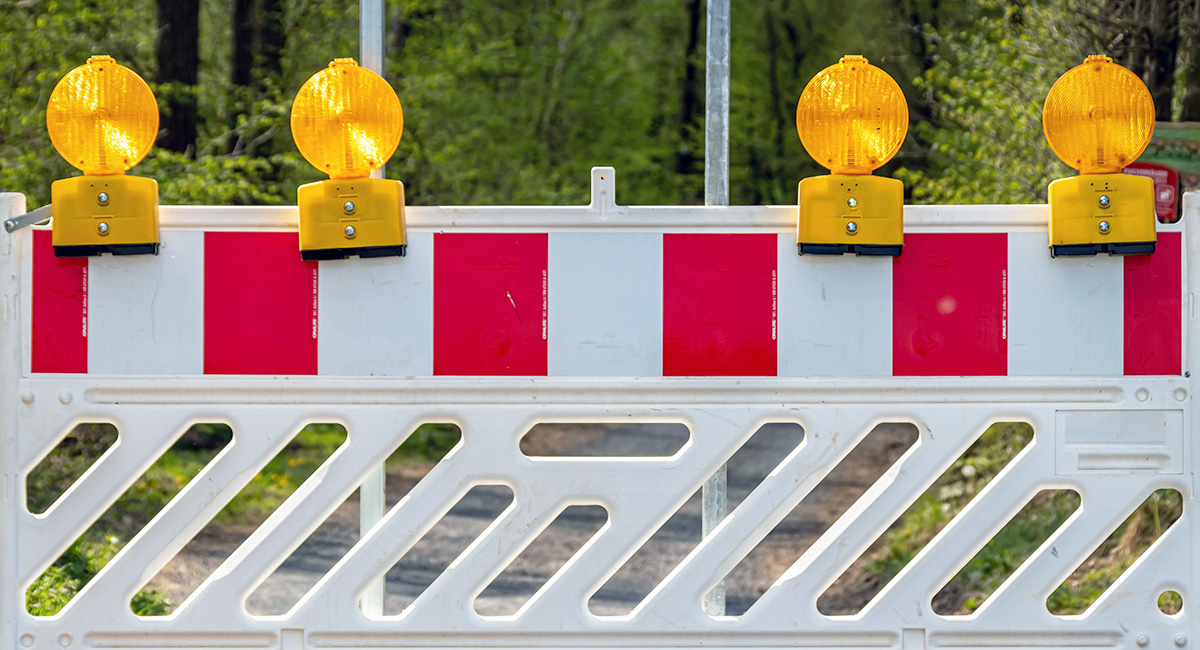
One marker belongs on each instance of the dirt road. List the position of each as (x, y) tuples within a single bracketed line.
[(422, 564)]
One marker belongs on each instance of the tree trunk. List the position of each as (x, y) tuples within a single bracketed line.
[(690, 105), (1160, 68), (178, 64), (256, 67), (918, 18), (1190, 41), (1129, 34), (271, 41), (241, 66)]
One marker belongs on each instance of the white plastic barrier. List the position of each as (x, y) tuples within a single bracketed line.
[(503, 317)]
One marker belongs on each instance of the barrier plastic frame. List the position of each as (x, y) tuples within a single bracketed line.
[(1112, 435)]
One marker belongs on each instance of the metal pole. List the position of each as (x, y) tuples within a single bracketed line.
[(373, 492), (716, 193), (370, 41), (716, 105)]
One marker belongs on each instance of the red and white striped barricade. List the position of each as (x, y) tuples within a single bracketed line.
[(503, 317)]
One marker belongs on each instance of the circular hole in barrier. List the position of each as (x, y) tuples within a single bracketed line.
[(1170, 602)]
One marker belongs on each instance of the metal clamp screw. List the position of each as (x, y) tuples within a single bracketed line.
[(348, 207), (102, 228), (1104, 227), (10, 225), (852, 202), (350, 231), (1104, 201), (851, 227), (102, 198)]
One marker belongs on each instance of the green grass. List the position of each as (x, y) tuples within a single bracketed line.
[(74, 569), (165, 479), (965, 478), (1117, 553), (1010, 547), (1006, 551)]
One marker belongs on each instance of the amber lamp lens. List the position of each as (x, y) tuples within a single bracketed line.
[(347, 120), (852, 117), (102, 117), (1098, 117)]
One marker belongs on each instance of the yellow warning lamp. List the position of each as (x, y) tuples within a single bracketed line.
[(103, 119), (347, 121), (1099, 118), (852, 118)]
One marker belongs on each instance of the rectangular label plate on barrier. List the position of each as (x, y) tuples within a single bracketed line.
[(503, 317)]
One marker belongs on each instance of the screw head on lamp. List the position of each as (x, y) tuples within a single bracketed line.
[(1098, 117), (346, 120), (102, 117), (852, 117)]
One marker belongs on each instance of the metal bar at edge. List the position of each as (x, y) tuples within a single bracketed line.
[(372, 496), (12, 497), (716, 193)]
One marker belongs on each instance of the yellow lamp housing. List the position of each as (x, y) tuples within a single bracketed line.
[(103, 119), (1098, 118), (852, 118), (347, 122)]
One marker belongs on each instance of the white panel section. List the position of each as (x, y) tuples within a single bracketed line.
[(605, 304), (146, 312), (1119, 442), (375, 316), (835, 314), (1065, 314)]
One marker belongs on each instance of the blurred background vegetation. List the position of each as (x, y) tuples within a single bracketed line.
[(511, 102)]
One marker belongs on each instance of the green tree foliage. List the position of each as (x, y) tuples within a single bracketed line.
[(512, 102), (39, 43), (505, 102), (992, 69)]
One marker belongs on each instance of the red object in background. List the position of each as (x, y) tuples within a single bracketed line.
[(490, 303), (1166, 188), (950, 305), (719, 304), (260, 305)]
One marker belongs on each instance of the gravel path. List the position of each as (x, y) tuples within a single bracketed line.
[(422, 564)]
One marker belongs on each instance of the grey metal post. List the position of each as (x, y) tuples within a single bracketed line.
[(370, 43), (716, 193), (716, 105), (372, 494)]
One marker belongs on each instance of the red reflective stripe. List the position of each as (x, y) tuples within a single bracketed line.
[(260, 305), (490, 303), (950, 305), (59, 309), (1154, 309), (719, 304)]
